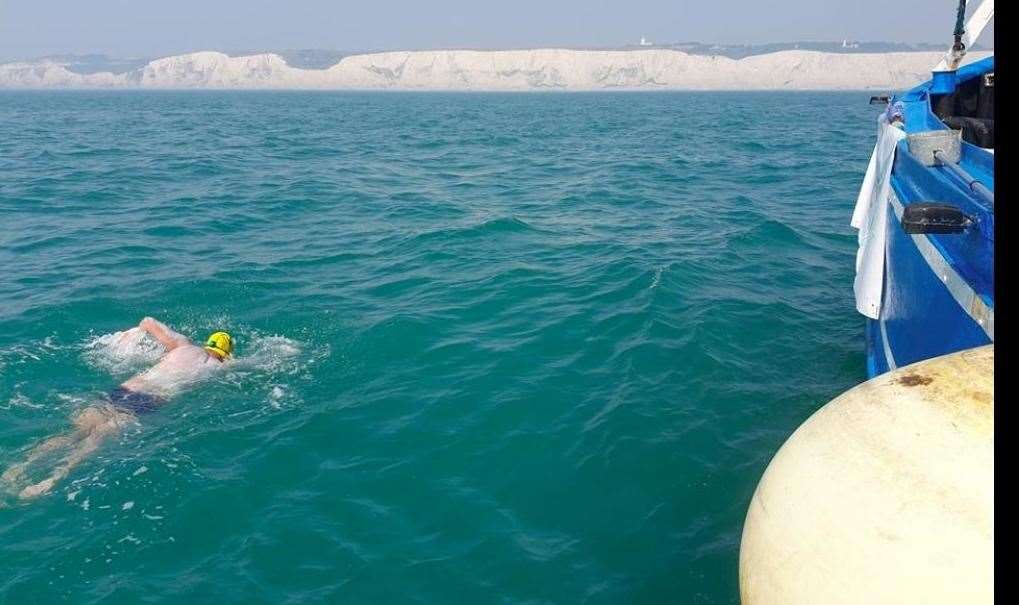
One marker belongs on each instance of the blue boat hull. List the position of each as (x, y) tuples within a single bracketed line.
[(938, 294)]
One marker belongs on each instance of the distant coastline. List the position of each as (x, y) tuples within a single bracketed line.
[(641, 68)]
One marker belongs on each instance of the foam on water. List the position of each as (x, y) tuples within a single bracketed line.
[(122, 353)]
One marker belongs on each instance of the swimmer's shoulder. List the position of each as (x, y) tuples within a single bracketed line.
[(188, 351), (192, 354)]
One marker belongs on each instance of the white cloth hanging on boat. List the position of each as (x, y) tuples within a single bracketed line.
[(870, 217)]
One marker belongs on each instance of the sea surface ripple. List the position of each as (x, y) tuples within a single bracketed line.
[(494, 348)]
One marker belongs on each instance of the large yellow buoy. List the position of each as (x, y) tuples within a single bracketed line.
[(885, 495)]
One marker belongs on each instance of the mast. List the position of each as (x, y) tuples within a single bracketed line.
[(966, 34)]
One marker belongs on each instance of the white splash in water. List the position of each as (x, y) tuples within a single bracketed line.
[(123, 352), (20, 353), (657, 278), (272, 354), (276, 396), (273, 361), (20, 401)]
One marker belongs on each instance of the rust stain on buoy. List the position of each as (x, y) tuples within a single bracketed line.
[(912, 380)]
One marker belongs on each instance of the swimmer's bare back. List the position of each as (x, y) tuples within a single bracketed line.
[(183, 365)]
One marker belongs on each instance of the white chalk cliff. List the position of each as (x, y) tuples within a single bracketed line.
[(539, 69)]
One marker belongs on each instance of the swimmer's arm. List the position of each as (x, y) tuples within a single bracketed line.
[(167, 337)]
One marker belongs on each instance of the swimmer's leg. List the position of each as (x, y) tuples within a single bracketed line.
[(15, 471), (85, 447), (94, 425), (84, 422)]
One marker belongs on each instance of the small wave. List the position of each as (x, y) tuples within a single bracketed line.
[(766, 176), (751, 146), (169, 231), (18, 354), (19, 400), (769, 235), (21, 353), (506, 224), (486, 228)]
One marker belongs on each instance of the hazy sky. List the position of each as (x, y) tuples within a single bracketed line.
[(148, 27)]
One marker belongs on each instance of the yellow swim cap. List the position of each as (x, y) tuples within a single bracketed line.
[(220, 343)]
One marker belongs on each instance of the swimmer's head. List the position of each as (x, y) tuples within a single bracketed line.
[(219, 344)]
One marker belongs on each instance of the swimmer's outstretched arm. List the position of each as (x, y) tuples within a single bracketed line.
[(167, 337)]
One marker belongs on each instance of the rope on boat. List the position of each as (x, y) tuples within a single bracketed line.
[(960, 26)]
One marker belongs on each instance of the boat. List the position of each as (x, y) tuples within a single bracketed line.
[(925, 267), (885, 495)]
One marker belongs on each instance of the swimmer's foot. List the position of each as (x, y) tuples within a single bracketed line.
[(38, 489), (15, 472)]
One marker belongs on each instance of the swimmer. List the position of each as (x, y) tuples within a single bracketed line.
[(183, 364)]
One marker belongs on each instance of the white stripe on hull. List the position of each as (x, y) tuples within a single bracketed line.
[(960, 290)]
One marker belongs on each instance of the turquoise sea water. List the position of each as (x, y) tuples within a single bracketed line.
[(527, 348)]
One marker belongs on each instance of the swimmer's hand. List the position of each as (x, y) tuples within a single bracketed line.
[(128, 333), (129, 336), (167, 337)]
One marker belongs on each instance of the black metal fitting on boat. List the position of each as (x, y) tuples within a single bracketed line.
[(880, 100), (934, 217)]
